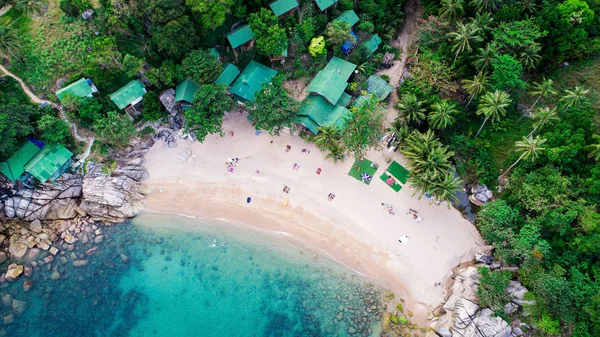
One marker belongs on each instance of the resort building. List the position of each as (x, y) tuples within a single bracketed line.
[(326, 106), (129, 96), (228, 75), (349, 16), (241, 37), (80, 88), (44, 164), (250, 81), (281, 7), (379, 87), (371, 45), (184, 93), (324, 4)]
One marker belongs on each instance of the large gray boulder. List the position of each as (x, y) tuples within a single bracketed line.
[(50, 201), (115, 196), (488, 326)]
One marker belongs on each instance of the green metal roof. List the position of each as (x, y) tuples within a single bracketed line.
[(331, 81), (128, 93), (342, 67), (360, 99), (324, 4), (344, 99), (379, 87), (228, 75), (79, 88), (280, 7), (14, 167), (251, 80), (308, 123), (349, 16), (239, 36), (186, 90), (48, 162), (372, 44), (215, 52), (337, 117)]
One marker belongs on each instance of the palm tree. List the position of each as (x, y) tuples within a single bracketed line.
[(442, 115), (477, 86), (9, 42), (493, 106), (328, 137), (528, 147), (445, 189), (483, 21), (543, 89), (411, 108), (451, 9), (484, 5), (426, 154), (575, 96), (400, 129), (594, 149), (484, 56), (29, 7), (463, 37), (529, 57), (336, 154), (542, 117)]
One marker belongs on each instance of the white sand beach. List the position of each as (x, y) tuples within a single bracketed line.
[(353, 229)]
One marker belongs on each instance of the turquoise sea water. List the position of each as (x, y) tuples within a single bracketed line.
[(166, 276)]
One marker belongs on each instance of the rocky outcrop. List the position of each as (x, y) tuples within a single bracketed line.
[(114, 196), (167, 98), (50, 201)]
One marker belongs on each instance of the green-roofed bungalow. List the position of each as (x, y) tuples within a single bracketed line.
[(49, 163), (379, 87), (316, 111), (240, 36), (251, 80), (324, 4), (129, 95), (331, 81), (344, 99), (229, 74), (280, 7), (14, 167), (371, 45), (341, 66), (185, 91), (80, 88), (349, 16), (360, 99), (307, 123)]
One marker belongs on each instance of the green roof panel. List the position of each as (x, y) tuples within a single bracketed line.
[(229, 74), (360, 99), (185, 91), (372, 44), (379, 87), (342, 67), (324, 4), (80, 88), (280, 7), (14, 167), (239, 36), (251, 80), (317, 108), (331, 81), (215, 52), (128, 94), (48, 162), (349, 16), (337, 117), (308, 123), (344, 99)]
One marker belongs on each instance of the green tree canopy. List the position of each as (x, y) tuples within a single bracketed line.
[(337, 32), (153, 109), (9, 42), (114, 130), (53, 130), (506, 74), (206, 115), (211, 12), (201, 66), (270, 38), (272, 109), (175, 38), (88, 110), (364, 127), (14, 125), (161, 12)]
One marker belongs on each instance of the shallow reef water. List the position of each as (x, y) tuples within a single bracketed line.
[(165, 275)]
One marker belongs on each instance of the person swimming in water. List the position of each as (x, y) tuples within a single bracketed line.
[(214, 244)]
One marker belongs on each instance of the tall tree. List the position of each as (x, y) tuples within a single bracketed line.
[(484, 21), (211, 12), (493, 106), (29, 7), (337, 32), (594, 148), (542, 117), (201, 66), (476, 87), (206, 115), (364, 127), (464, 37), (114, 130), (270, 38), (272, 109), (529, 148), (411, 108), (574, 97), (53, 130), (175, 38), (442, 115), (14, 125), (507, 73), (328, 137), (9, 42), (484, 56), (451, 9), (484, 5), (542, 89)]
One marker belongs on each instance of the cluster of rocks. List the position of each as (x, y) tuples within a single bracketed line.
[(50, 246), (481, 194), (462, 316)]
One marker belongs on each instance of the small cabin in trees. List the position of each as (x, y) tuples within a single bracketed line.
[(282, 7), (129, 97)]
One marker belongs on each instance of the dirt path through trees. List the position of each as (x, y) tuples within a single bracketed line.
[(405, 38)]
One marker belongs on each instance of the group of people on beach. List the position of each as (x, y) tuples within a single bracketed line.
[(231, 163), (389, 208)]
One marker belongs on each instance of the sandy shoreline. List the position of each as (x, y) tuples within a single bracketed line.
[(354, 229)]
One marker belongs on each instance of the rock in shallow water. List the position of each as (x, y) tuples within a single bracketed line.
[(13, 272), (18, 307), (80, 263)]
